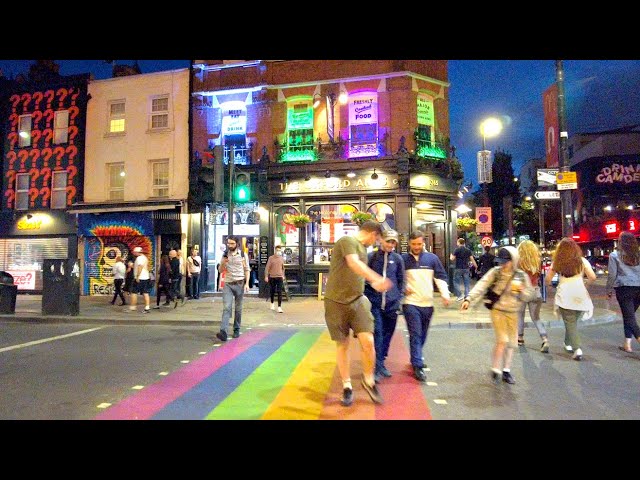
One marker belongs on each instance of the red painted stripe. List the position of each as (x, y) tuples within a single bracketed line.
[(155, 397)]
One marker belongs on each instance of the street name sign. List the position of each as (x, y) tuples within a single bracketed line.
[(547, 195)]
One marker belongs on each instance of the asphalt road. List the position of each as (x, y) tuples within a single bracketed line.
[(62, 371)]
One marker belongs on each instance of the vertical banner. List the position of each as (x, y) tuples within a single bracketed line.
[(551, 125), (363, 124), (485, 166), (485, 222)]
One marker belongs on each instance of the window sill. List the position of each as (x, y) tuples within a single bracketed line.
[(114, 134), (159, 130)]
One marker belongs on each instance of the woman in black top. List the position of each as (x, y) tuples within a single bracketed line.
[(486, 262), (128, 277), (164, 281)]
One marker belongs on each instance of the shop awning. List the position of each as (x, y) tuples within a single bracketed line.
[(141, 206)]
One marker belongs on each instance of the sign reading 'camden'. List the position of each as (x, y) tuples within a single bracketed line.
[(338, 184), (617, 173)]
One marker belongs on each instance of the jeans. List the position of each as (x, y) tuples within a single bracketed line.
[(229, 293), (534, 311), (118, 286), (461, 274), (195, 285), (418, 320), (629, 301), (166, 289), (175, 287), (571, 319), (384, 324)]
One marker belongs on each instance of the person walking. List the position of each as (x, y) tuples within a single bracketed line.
[(182, 286), (164, 281), (510, 288), (486, 261), (572, 301), (194, 266), (462, 275), (385, 305), (176, 278), (346, 307), (128, 278), (236, 283), (422, 269), (119, 271), (274, 275), (624, 278), (531, 264), (142, 282)]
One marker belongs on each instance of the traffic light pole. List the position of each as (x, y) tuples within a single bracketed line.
[(565, 195), (232, 157)]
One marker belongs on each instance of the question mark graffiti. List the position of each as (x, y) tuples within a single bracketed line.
[(47, 133), (62, 93), (46, 155), (14, 99), (11, 195), (11, 175), (48, 114), (33, 194), (73, 113), (46, 193), (49, 95), (35, 137), (35, 155), (23, 155), (35, 174), (59, 153), (72, 170), (12, 157), (37, 98), (76, 92), (36, 117), (45, 173), (13, 138), (72, 150), (71, 193), (73, 131), (26, 99), (14, 121)]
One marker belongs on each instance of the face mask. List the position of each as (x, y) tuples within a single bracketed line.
[(279, 254)]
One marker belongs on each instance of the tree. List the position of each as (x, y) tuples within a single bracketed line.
[(525, 220), (502, 186)]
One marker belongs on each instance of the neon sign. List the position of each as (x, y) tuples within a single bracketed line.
[(611, 227), (633, 226)]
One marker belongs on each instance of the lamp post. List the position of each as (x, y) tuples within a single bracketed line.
[(488, 128), (565, 195)]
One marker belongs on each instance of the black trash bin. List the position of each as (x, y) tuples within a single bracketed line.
[(8, 293), (61, 287)]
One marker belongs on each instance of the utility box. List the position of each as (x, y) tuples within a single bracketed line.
[(61, 287), (8, 293)]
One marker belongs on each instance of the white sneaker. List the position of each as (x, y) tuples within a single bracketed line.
[(578, 354), (568, 348), (273, 306), (280, 310)]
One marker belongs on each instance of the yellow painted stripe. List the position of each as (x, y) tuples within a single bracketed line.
[(302, 397)]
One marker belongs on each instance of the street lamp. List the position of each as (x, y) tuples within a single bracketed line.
[(490, 127)]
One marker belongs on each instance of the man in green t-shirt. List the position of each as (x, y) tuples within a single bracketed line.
[(346, 308)]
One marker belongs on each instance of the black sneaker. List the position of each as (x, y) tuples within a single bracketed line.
[(508, 378), (420, 374), (146, 310), (175, 303), (236, 333), (495, 377), (384, 372), (222, 336), (347, 397), (373, 392)]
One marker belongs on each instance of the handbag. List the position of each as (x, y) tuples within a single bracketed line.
[(491, 297)]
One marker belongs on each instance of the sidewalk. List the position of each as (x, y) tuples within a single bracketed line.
[(298, 312)]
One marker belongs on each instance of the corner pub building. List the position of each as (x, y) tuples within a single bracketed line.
[(325, 138)]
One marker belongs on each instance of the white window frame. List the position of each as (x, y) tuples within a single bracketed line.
[(60, 190), (24, 141), (154, 112), (156, 188), (117, 117), (20, 193), (61, 127), (111, 190)]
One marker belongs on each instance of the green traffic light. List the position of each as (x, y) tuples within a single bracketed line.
[(241, 193)]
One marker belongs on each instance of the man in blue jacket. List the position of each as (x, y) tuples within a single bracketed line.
[(385, 305)]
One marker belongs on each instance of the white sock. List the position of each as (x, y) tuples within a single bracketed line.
[(347, 384), (506, 370), (370, 379), (496, 370)]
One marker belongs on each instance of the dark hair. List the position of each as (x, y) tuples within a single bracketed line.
[(567, 259), (487, 248), (629, 251), (461, 241), (232, 237), (416, 234), (371, 226)]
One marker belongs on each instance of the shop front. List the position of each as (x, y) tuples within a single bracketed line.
[(30, 238)]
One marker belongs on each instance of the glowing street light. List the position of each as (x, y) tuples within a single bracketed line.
[(490, 127)]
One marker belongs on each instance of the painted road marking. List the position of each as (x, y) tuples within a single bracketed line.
[(202, 353), (137, 387), (104, 405), (439, 401), (432, 384), (50, 339), (184, 361), (163, 373)]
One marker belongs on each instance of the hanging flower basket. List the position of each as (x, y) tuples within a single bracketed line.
[(466, 224), (360, 217), (298, 221)]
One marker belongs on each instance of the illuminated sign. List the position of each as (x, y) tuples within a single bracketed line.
[(24, 279), (611, 227), (234, 118), (300, 115), (425, 110), (619, 173), (334, 183), (363, 125), (363, 108), (29, 224), (633, 225)]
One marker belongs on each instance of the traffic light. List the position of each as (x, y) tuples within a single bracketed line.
[(242, 187)]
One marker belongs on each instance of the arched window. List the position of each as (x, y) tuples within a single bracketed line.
[(328, 224), (287, 235), (383, 213)]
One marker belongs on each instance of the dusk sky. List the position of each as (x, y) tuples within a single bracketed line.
[(600, 94)]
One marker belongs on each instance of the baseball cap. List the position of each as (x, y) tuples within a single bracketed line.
[(137, 250), (389, 235), (503, 256)]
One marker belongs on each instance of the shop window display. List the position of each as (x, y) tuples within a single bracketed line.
[(328, 224), (287, 235)]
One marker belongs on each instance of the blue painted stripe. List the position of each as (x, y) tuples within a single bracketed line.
[(207, 395)]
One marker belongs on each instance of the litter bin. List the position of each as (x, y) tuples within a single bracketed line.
[(8, 293), (61, 287)]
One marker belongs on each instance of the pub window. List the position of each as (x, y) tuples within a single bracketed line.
[(160, 176), (24, 132), (287, 235), (59, 189), (22, 191), (329, 223), (116, 181), (117, 119), (300, 138), (383, 214), (159, 116), (61, 127)]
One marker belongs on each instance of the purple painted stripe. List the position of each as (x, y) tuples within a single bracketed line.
[(154, 398)]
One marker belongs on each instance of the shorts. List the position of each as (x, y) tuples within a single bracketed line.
[(505, 326), (142, 286), (341, 317)]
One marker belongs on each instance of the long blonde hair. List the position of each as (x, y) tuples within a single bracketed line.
[(529, 257)]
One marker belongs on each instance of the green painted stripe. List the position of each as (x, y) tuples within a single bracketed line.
[(252, 398)]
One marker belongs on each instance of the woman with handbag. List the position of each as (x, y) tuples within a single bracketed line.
[(572, 301), (624, 278), (531, 265), (505, 289)]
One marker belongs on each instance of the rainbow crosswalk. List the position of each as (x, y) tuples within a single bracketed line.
[(275, 375)]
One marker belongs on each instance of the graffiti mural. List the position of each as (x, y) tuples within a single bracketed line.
[(108, 236)]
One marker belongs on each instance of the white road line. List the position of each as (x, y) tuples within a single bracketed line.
[(432, 384), (164, 374), (51, 339), (439, 401), (137, 387), (184, 361), (104, 405)]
